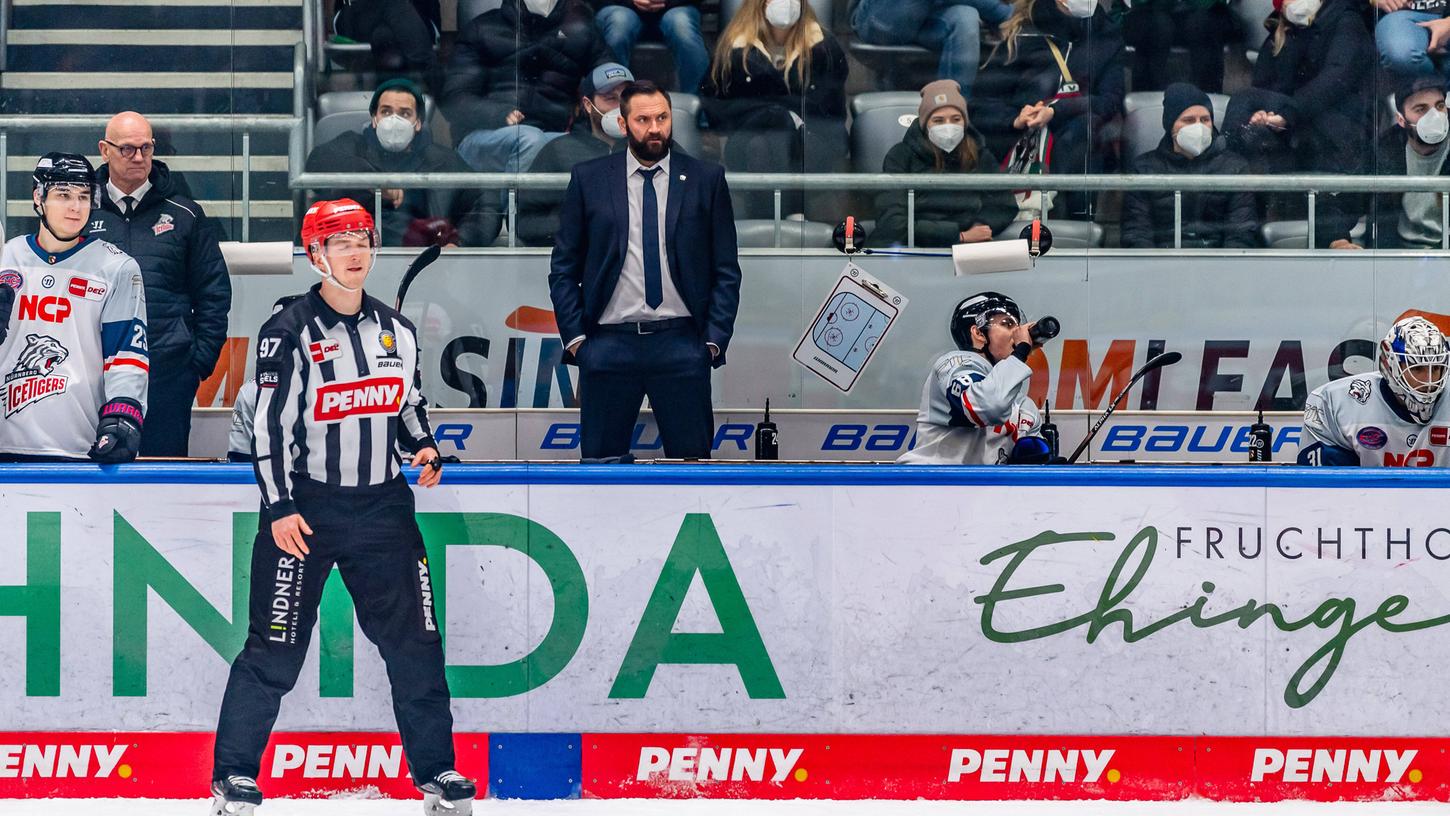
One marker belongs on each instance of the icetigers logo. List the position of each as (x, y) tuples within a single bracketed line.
[(1359, 389), (34, 378)]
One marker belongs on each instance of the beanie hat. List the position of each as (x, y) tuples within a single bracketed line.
[(399, 84), (1179, 97), (1414, 85), (942, 93)]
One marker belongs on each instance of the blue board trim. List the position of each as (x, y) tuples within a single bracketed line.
[(790, 475)]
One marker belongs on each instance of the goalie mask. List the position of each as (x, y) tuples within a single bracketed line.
[(978, 310), (68, 171), (1413, 359)]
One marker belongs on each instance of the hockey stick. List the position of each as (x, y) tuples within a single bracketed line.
[(1157, 362), (427, 256)]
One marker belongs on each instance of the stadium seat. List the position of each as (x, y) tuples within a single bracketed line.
[(333, 125), (343, 101), (760, 233), (1251, 15), (469, 9), (862, 102), (897, 67), (1065, 234), (1143, 120), (685, 119), (1295, 234), (876, 131)]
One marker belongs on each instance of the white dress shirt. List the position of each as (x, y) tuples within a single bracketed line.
[(116, 195), (627, 304)]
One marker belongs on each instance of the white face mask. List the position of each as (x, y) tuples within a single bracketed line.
[(1081, 8), (1433, 126), (1300, 12), (946, 137), (611, 123), (782, 13), (541, 7), (394, 133), (1194, 139)]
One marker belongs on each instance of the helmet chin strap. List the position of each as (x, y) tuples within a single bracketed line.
[(326, 272), (45, 222)]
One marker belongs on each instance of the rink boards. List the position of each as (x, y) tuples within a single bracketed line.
[(759, 631)]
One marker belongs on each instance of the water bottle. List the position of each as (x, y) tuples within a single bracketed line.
[(767, 446), (1049, 431), (1261, 441)]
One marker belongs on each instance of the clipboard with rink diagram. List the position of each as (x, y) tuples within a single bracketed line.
[(849, 328)]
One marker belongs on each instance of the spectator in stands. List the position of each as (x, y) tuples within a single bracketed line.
[(1411, 35), (1153, 27), (1415, 147), (1190, 146), (403, 34), (598, 128), (777, 88), (188, 294), (513, 77), (678, 21), (1069, 80), (397, 142), (1309, 109), (952, 27), (942, 140)]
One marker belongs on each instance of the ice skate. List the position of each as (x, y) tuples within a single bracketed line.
[(448, 794), (235, 796)]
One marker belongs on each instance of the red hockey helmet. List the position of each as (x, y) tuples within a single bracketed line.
[(328, 218)]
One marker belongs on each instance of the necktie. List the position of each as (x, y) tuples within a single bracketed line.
[(130, 202), (654, 293)]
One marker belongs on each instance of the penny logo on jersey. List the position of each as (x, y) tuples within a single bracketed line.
[(34, 378)]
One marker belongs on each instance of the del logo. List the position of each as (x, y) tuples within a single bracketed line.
[(337, 761), (32, 761), (376, 395), (1017, 765), (1440, 435), (718, 764), (45, 308), (1372, 437), (1333, 765), (33, 378), (87, 288), (324, 350)]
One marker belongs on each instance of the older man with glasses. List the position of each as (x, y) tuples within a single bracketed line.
[(146, 211)]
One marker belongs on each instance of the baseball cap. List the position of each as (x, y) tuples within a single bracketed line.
[(605, 78)]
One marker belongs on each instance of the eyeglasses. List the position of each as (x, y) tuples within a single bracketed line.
[(129, 151)]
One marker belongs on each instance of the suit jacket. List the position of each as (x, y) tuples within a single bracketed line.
[(589, 246)]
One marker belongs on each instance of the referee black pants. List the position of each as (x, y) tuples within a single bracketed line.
[(371, 534)]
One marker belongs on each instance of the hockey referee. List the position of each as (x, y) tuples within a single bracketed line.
[(338, 394)]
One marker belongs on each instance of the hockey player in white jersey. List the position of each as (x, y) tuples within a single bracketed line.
[(974, 405), (73, 358), (1390, 418)]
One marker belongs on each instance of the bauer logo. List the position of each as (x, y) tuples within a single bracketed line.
[(1016, 765), (61, 761), (1333, 765), (717, 764), (337, 761), (377, 395)]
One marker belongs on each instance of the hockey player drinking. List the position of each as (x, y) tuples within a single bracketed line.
[(337, 385), (73, 360), (1393, 417)]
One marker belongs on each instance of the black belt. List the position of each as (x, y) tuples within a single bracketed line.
[(648, 326)]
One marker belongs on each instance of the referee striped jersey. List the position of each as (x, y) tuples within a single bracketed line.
[(336, 396)]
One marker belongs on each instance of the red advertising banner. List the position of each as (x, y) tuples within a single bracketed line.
[(178, 765), (1326, 769)]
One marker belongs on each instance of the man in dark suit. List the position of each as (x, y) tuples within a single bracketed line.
[(645, 281)]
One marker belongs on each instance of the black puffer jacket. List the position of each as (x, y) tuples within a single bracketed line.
[(512, 59), (1210, 220), (941, 215), (188, 293), (752, 82), (360, 152)]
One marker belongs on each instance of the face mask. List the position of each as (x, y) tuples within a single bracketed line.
[(782, 13), (611, 123), (1300, 12), (1194, 139), (1081, 8), (540, 7), (946, 137), (1433, 126), (394, 133)]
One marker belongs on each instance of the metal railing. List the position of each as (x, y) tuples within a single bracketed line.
[(1312, 186)]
